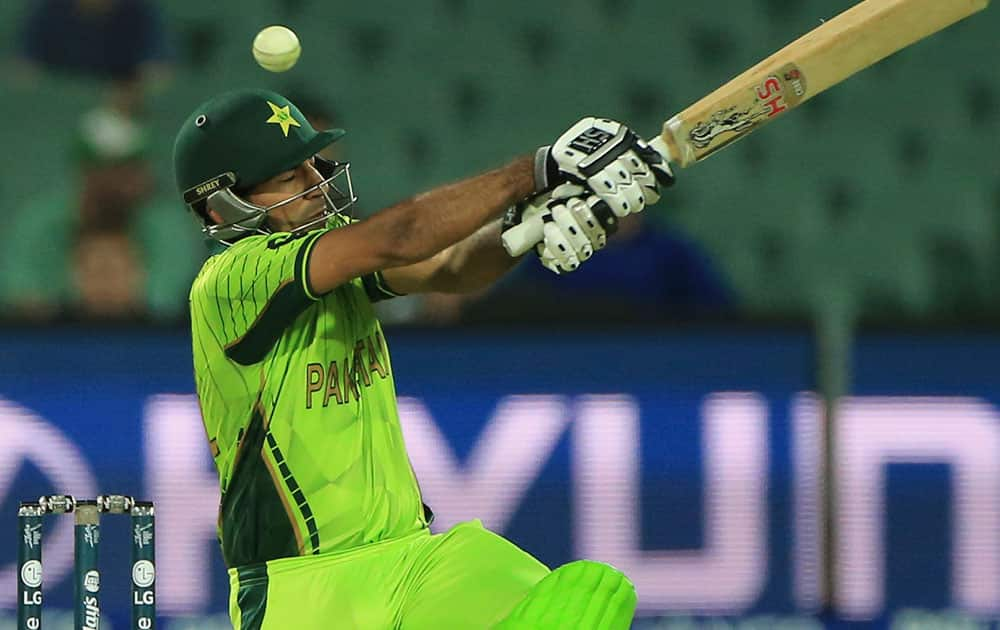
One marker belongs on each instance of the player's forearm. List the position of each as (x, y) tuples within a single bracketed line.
[(426, 224), (475, 263)]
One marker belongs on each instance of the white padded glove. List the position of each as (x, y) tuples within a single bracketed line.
[(606, 158), (575, 223), (610, 159)]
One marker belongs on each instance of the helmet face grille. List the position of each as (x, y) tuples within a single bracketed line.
[(241, 218)]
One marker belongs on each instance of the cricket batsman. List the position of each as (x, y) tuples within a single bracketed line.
[(321, 520)]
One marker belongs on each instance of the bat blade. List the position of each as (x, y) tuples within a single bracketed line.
[(832, 52)]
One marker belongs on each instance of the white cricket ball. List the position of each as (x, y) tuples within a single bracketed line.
[(276, 48)]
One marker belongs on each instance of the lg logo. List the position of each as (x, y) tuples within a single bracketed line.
[(143, 573), (31, 574)]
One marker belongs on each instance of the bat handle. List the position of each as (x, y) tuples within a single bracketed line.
[(660, 144), (525, 235)]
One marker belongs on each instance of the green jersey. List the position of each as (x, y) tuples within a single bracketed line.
[(299, 406)]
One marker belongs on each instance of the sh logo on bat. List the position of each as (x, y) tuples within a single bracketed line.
[(776, 94), (782, 90)]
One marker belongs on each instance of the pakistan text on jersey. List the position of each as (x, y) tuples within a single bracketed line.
[(342, 379)]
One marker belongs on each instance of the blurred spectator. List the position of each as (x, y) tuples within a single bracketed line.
[(646, 273), (111, 194), (123, 41), (107, 276), (111, 151)]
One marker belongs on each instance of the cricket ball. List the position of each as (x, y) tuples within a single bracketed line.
[(276, 48)]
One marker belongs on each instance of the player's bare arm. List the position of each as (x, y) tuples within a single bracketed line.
[(614, 174), (598, 160), (416, 229), (472, 264), (601, 171)]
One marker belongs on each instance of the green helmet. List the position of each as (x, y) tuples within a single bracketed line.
[(240, 139)]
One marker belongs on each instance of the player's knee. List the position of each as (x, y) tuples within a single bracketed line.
[(606, 593), (594, 579), (580, 595)]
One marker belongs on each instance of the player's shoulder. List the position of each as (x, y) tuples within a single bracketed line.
[(228, 261), (252, 255)]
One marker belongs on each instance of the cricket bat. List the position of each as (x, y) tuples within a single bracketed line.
[(837, 49)]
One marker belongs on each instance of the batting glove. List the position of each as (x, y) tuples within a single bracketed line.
[(610, 159), (575, 224)]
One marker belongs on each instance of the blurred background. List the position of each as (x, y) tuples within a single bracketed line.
[(784, 372)]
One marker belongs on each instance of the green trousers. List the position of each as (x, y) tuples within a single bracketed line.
[(467, 577)]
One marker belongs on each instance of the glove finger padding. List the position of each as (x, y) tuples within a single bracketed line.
[(564, 191), (616, 186), (573, 232), (588, 222), (556, 252), (571, 229), (579, 226), (643, 176), (572, 220), (607, 222)]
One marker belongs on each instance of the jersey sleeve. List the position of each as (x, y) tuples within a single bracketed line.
[(252, 292), (376, 288)]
